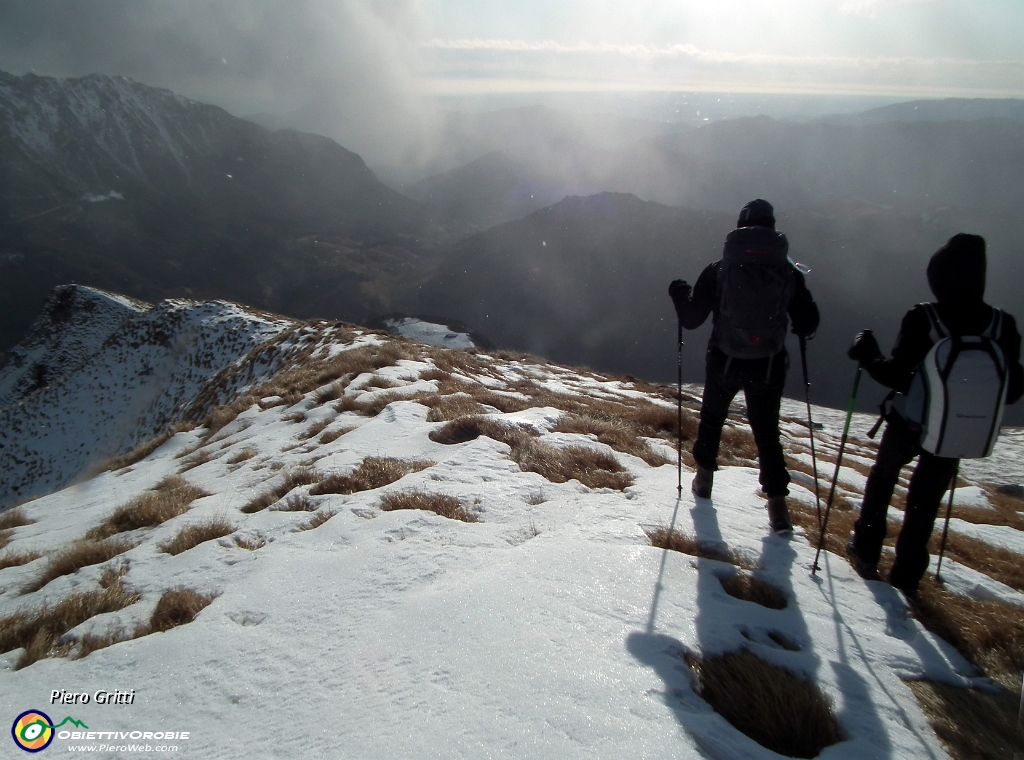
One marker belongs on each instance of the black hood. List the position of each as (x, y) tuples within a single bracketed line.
[(956, 273)]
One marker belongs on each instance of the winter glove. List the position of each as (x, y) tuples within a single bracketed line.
[(679, 290), (865, 348)]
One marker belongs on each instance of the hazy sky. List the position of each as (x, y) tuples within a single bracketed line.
[(355, 68), (899, 47)]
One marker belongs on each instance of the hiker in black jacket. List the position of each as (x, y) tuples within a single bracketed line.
[(956, 274), (747, 348)]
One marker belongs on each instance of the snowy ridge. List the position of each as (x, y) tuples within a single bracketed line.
[(75, 322), (549, 628), (142, 377)]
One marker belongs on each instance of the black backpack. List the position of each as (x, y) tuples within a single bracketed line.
[(756, 282)]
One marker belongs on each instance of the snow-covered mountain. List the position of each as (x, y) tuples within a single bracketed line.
[(336, 615), (121, 186)]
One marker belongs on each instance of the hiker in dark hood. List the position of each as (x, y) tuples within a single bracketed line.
[(956, 274), (753, 292)]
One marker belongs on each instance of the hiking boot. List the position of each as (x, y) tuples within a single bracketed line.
[(778, 516), (702, 483), (865, 569), (908, 589)]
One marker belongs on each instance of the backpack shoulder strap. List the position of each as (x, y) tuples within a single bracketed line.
[(995, 327), (938, 330)]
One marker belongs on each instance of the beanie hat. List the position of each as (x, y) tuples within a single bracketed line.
[(757, 213), (957, 270)]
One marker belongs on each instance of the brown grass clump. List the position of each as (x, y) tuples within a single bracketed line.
[(989, 634), (250, 543), (738, 445), (9, 520), (292, 479), (79, 554), (12, 559), (14, 518), (200, 457), (972, 724), (332, 435), (677, 541), (171, 497), (439, 504), (145, 448), (614, 432), (780, 710), (328, 393), (592, 468), (40, 630), (294, 417), (318, 519), (315, 429), (451, 407), (243, 455), (996, 562), (751, 588), (197, 533), (177, 607), (297, 502), (373, 472)]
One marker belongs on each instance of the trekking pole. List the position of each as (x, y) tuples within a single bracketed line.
[(945, 530), (835, 476), (810, 427), (679, 421)]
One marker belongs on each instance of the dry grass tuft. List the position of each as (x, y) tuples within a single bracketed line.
[(780, 710), (315, 429), (146, 448), (318, 519), (200, 457), (14, 518), (9, 520), (751, 588), (616, 432), (250, 543), (294, 417), (297, 502), (373, 472), (996, 562), (677, 541), (973, 724), (243, 455), (12, 559), (328, 393), (592, 468), (171, 497), (197, 533), (178, 607), (451, 407), (39, 631), (77, 555), (439, 504), (293, 479), (989, 634), (332, 435)]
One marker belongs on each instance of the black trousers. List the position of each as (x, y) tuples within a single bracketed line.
[(761, 381), (930, 480)]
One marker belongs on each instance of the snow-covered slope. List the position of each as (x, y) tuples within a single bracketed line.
[(548, 628), (121, 372)]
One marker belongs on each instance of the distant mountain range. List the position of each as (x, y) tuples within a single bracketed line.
[(585, 282), (913, 166), (119, 185)]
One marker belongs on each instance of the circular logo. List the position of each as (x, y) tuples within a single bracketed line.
[(32, 731)]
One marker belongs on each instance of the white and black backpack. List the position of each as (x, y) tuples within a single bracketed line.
[(958, 392)]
